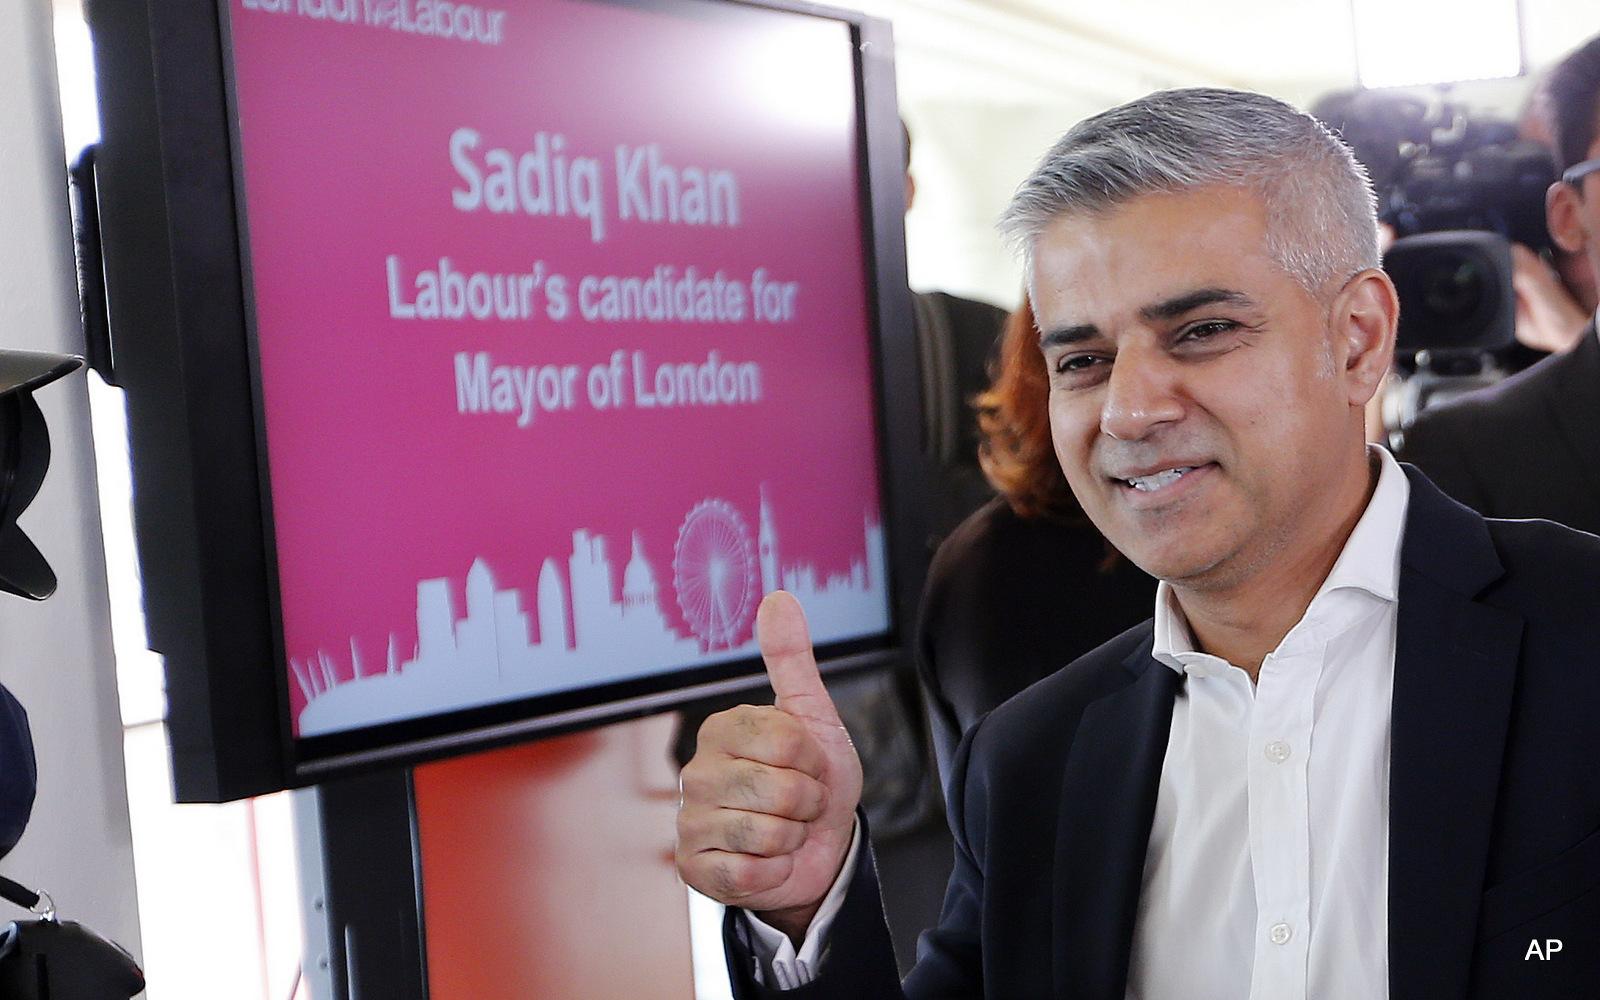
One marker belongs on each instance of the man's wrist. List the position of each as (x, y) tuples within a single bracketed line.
[(793, 922), (788, 961)]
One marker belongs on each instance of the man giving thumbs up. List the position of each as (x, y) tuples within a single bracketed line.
[(1352, 755), (769, 799)]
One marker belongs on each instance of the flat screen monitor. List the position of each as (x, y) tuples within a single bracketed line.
[(486, 363)]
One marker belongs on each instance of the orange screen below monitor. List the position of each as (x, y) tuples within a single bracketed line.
[(547, 870)]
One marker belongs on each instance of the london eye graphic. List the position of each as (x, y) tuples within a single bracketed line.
[(714, 574)]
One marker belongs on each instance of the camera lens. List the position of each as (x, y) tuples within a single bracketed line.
[(1453, 289)]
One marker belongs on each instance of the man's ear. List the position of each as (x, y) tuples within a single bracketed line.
[(1562, 216), (1365, 315)]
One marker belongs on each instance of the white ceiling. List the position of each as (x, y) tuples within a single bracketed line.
[(1021, 49), (988, 84), (1015, 51)]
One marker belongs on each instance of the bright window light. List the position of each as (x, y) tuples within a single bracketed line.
[(75, 73), (1409, 42)]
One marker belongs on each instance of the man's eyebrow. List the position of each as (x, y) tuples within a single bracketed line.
[(1166, 309), (1180, 304), (1064, 335)]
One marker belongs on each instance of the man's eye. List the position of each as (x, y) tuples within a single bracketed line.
[(1206, 330), (1068, 364)]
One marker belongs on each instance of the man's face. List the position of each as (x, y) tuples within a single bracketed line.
[(1201, 408), (1574, 221)]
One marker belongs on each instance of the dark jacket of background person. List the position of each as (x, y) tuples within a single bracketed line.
[(1528, 446), (1010, 600), (956, 351), (1491, 849), (1026, 584), (18, 771)]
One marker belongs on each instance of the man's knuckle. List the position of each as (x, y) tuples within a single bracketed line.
[(747, 720), (691, 826), (724, 728), (735, 878), (742, 835), (793, 797), (692, 780), (723, 884), (788, 742), (760, 835), (741, 785)]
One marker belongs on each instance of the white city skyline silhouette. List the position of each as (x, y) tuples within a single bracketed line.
[(499, 651)]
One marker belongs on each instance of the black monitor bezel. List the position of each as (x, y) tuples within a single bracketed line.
[(181, 346)]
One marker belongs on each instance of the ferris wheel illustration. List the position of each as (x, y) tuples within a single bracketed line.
[(714, 573)]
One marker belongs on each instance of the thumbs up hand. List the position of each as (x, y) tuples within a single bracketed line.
[(768, 807)]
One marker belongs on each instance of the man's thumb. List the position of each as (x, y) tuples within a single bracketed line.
[(791, 667)]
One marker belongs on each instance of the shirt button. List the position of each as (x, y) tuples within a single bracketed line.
[(1277, 751), (1280, 933)]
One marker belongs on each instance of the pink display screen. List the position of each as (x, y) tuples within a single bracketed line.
[(564, 342)]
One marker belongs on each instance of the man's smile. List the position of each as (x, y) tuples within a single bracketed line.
[(1157, 485), (1151, 483)]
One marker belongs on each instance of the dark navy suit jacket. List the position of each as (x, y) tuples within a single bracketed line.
[(1494, 796), (1528, 446)]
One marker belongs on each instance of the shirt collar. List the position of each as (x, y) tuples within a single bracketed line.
[(1369, 562)]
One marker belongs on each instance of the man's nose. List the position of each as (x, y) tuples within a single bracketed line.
[(1141, 394)]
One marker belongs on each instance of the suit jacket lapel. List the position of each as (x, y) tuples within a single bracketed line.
[(1455, 664), (1107, 805)]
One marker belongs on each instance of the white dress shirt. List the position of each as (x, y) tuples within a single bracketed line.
[(1267, 871)]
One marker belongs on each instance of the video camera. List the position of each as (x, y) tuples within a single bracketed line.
[(1457, 188)]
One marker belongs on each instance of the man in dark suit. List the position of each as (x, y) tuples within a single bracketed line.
[(1530, 446), (1352, 755)]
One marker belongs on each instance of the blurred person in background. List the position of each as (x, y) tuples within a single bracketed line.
[(957, 341), (1556, 298), (1529, 446)]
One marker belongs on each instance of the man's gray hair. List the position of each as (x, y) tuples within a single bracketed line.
[(1321, 214)]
